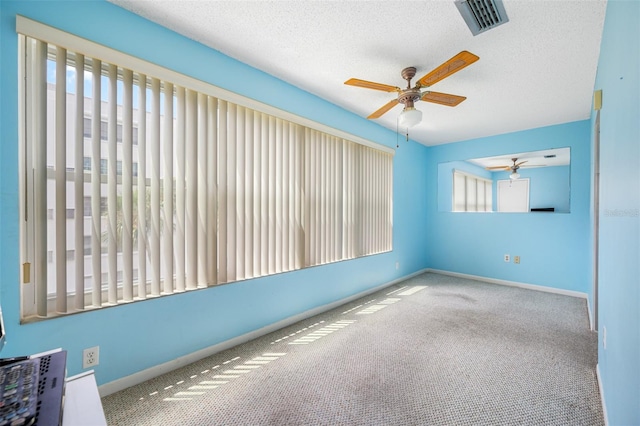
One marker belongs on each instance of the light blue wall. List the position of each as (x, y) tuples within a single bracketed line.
[(141, 335), (554, 248), (619, 260)]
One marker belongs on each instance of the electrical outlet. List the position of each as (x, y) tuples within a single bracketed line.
[(397, 265), (516, 259), (604, 338), (507, 258), (91, 357)]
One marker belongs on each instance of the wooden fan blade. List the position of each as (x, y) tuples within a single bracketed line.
[(498, 168), (522, 162), (384, 109), (454, 64), (442, 98), (371, 85)]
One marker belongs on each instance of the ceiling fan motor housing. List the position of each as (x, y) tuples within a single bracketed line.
[(408, 73), (408, 96)]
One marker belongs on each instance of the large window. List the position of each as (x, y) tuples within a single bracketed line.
[(179, 186)]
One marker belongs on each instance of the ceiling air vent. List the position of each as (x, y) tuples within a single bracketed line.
[(482, 15)]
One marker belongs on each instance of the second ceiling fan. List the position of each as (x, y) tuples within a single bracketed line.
[(411, 116)]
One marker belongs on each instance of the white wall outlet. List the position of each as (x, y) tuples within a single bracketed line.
[(516, 259), (604, 338), (397, 265), (91, 357), (507, 258)]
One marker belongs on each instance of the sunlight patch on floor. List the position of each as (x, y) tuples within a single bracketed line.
[(412, 290), (322, 332), (225, 377)]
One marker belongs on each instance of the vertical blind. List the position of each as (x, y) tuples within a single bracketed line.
[(136, 186), (471, 193)]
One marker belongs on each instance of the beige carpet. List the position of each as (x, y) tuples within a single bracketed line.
[(433, 350)]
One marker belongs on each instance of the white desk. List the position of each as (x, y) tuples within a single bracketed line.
[(82, 404)]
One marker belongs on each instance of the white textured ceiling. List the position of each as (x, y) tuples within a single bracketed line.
[(536, 70), (544, 158)]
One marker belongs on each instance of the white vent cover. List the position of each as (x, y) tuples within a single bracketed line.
[(482, 15)]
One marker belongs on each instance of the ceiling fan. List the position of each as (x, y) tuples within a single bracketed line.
[(515, 166), (509, 167), (411, 116)]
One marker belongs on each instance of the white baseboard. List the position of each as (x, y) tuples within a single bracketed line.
[(158, 370), (604, 405), (511, 283)]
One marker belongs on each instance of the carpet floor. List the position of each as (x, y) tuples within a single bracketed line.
[(432, 350)]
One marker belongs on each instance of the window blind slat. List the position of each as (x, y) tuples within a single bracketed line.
[(255, 193), (180, 173), (222, 191), (337, 211), (78, 138), (370, 198), (96, 185), (212, 199), (248, 172), (202, 191), (327, 199), (360, 214), (389, 201), (271, 200), (239, 190), (280, 134), (264, 195), (112, 181), (191, 170), (288, 177), (154, 145), (60, 253), (127, 186), (323, 205), (167, 156), (310, 200), (39, 127), (376, 194), (257, 201), (300, 191), (232, 202), (143, 243)]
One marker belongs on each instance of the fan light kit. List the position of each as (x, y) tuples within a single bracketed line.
[(410, 116)]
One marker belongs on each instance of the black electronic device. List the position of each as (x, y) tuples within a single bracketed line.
[(19, 387), (32, 389)]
